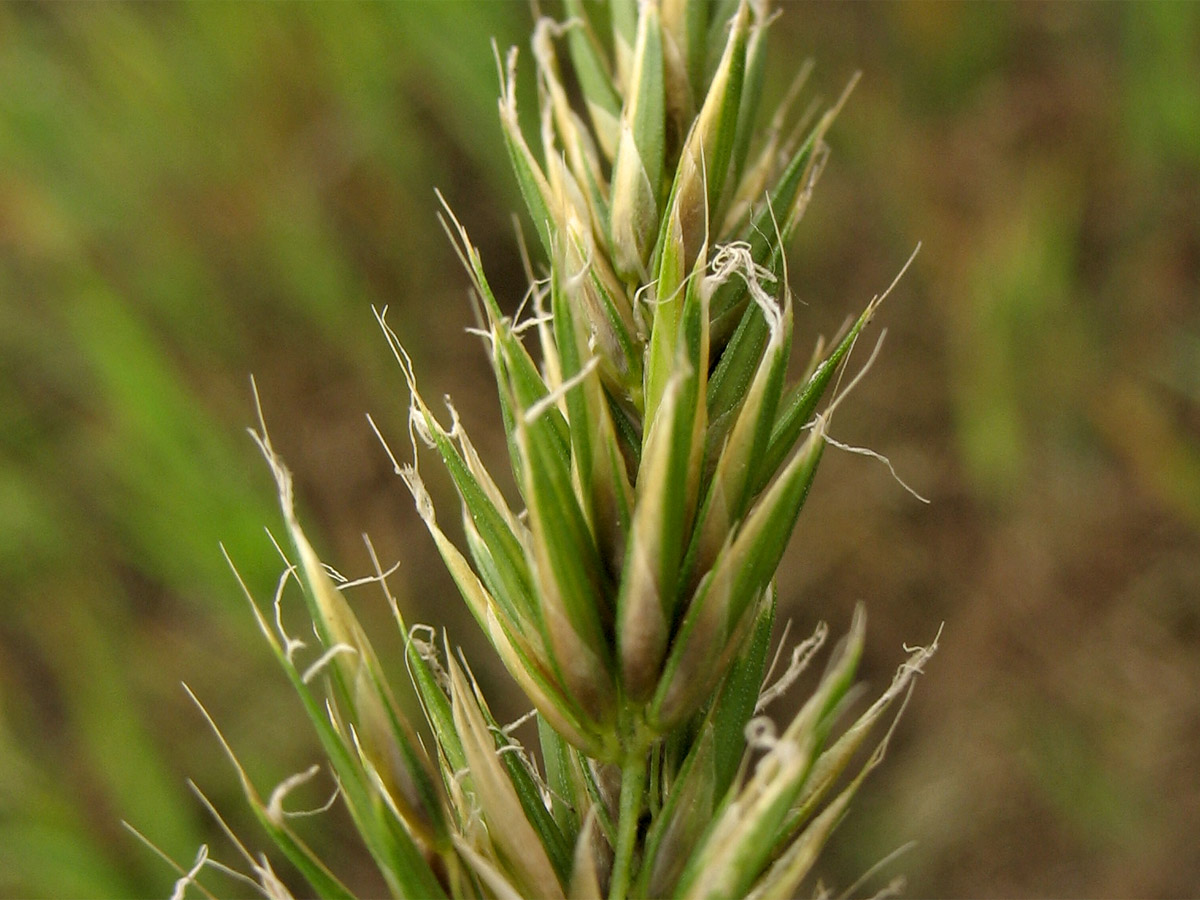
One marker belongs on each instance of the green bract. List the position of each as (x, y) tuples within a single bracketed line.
[(663, 454)]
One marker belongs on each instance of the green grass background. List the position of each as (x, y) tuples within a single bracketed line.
[(193, 193)]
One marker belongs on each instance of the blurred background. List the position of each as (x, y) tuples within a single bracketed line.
[(193, 193)]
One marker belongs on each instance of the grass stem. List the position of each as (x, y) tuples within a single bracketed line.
[(633, 785)]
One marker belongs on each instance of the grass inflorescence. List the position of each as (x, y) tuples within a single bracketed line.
[(662, 453)]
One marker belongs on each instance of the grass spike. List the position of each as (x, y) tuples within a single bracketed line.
[(661, 461)]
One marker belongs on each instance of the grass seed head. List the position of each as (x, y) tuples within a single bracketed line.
[(662, 462), (655, 447)]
